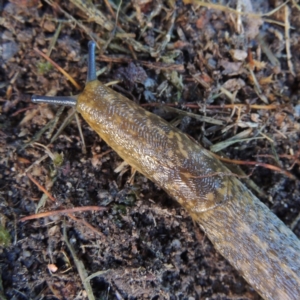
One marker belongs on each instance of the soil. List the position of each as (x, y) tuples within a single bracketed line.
[(202, 59)]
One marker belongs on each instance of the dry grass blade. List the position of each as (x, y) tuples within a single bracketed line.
[(85, 29), (54, 39), (50, 125), (94, 14), (257, 87), (195, 116), (231, 10), (80, 267), (148, 64), (223, 106), (83, 147), (98, 17), (222, 145), (56, 119), (287, 40), (65, 123)]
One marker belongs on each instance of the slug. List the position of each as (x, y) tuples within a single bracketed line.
[(242, 229)]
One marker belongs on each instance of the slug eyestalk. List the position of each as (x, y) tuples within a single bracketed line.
[(72, 100)]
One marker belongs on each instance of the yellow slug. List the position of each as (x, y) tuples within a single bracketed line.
[(242, 229)]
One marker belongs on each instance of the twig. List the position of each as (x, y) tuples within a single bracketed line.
[(255, 163), (287, 156), (22, 110), (68, 76), (62, 211), (107, 3), (41, 187), (85, 223)]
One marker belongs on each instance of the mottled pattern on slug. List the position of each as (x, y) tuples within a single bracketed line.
[(243, 229), (159, 151), (256, 243)]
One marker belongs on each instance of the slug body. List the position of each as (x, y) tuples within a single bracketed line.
[(241, 228), (157, 150)]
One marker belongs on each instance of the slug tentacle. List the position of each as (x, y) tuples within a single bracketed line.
[(91, 74), (60, 100), (243, 229)]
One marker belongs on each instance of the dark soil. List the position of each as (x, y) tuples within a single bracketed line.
[(146, 246)]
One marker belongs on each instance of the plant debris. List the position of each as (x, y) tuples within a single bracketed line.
[(226, 73)]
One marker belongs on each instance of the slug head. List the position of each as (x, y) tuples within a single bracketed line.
[(72, 100)]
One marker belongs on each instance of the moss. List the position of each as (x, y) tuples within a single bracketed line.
[(5, 238)]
